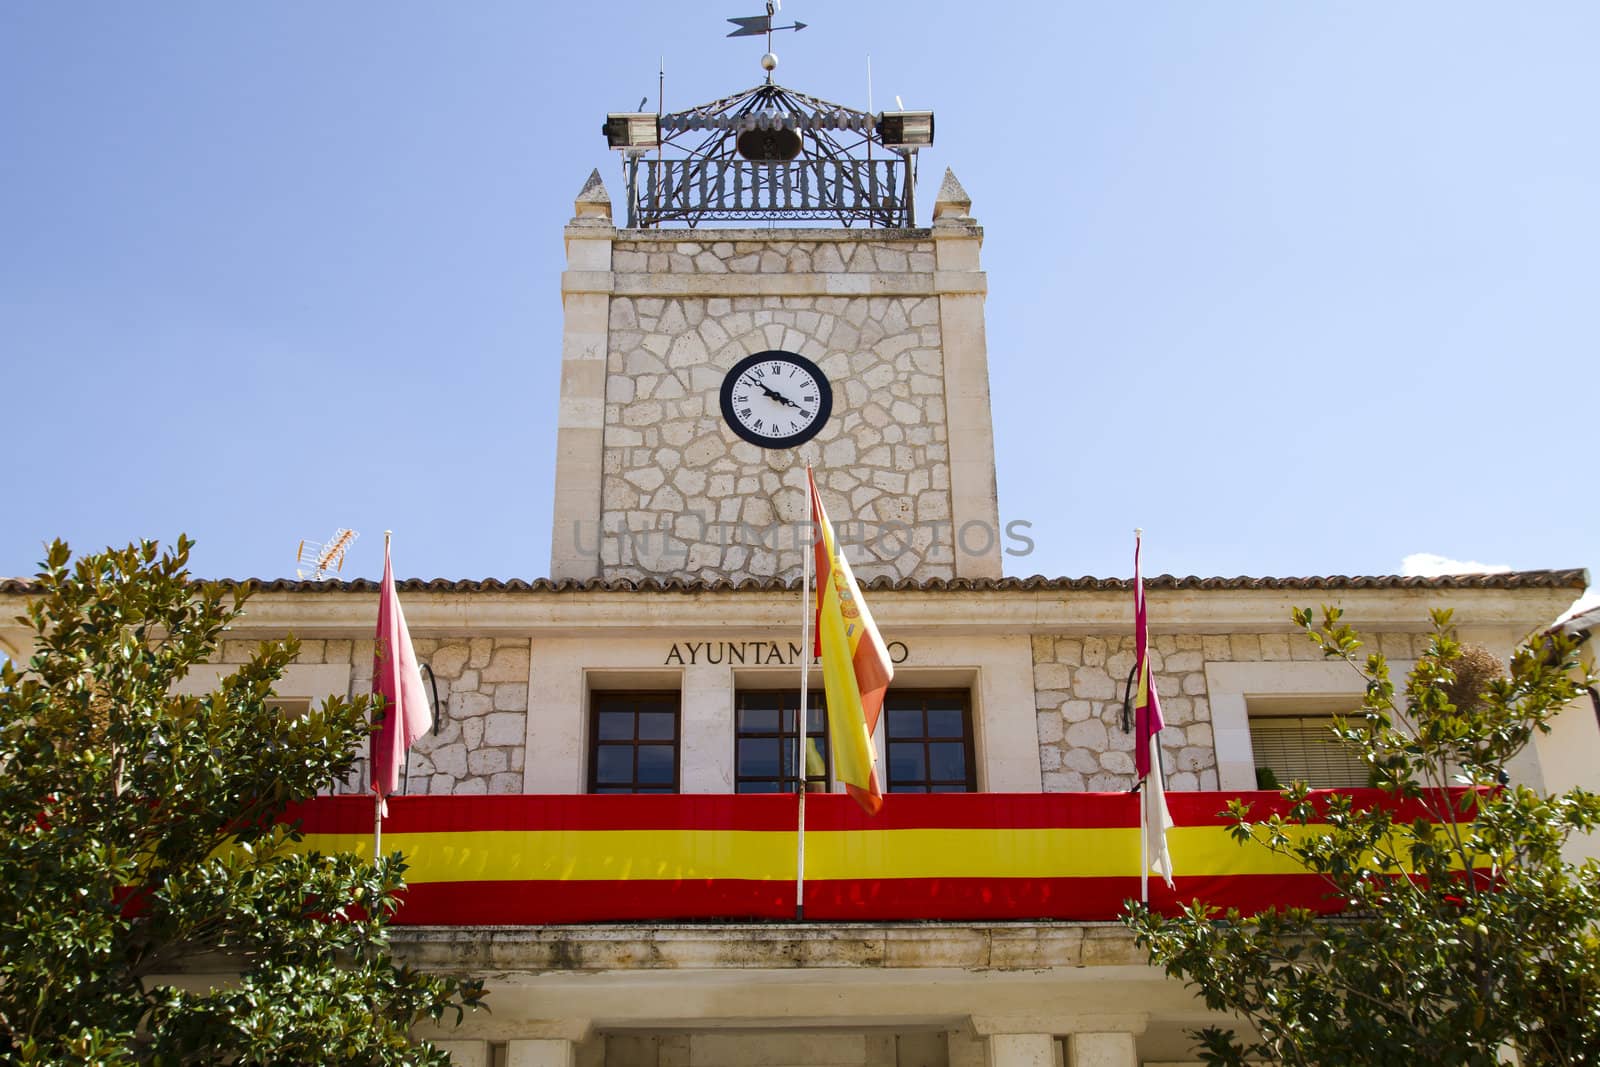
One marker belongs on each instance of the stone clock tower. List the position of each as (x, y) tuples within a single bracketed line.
[(704, 367)]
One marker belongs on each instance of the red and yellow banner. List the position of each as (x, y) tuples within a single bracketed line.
[(478, 860)]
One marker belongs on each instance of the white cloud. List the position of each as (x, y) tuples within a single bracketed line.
[(1431, 565)]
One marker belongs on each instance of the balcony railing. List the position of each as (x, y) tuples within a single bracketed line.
[(533, 860), (874, 192)]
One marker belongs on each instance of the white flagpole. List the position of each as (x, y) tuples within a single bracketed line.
[(1144, 784), (372, 766), (805, 677), (1144, 842)]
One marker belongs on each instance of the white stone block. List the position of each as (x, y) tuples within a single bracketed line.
[(504, 728)]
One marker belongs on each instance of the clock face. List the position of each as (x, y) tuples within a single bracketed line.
[(776, 399)]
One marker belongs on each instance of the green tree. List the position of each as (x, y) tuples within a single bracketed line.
[(1427, 963), (140, 841)]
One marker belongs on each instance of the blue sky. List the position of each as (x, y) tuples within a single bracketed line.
[(1299, 288)]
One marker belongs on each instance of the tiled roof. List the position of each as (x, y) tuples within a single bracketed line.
[(1574, 578)]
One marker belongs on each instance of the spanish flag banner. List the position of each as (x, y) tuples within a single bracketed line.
[(531, 860), (855, 664)]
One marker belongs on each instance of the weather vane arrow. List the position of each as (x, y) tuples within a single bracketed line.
[(756, 25)]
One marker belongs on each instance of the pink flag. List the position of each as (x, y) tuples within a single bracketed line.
[(395, 677), (1147, 704)]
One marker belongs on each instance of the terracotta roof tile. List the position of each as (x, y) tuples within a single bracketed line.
[(1574, 578)]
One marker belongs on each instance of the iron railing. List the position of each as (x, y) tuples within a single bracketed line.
[(875, 192)]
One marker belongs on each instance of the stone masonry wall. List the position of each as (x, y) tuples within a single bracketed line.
[(1079, 684), (483, 691), (683, 496)]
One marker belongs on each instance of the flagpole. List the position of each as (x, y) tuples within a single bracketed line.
[(1144, 841), (805, 677), (372, 766), (1144, 784)]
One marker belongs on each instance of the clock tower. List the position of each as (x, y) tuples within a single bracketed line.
[(706, 362)]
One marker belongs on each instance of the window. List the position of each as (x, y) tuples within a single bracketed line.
[(633, 746), (1292, 740), (929, 733), (765, 741)]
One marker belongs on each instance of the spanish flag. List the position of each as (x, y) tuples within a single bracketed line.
[(855, 664)]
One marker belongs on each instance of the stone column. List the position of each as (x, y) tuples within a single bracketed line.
[(1022, 1050), (465, 1053), (705, 724), (586, 306), (1102, 1050), (556, 759), (540, 1052), (974, 497), (965, 1050), (1027, 1039)]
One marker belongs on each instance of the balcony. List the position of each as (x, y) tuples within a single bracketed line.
[(983, 857)]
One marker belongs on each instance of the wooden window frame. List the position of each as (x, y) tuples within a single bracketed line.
[(926, 784), (641, 700), (786, 783)]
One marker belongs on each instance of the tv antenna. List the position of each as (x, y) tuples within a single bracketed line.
[(318, 562)]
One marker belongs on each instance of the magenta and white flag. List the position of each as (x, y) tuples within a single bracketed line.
[(1148, 725), (396, 678)]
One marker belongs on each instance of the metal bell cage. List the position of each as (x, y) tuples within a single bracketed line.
[(770, 153)]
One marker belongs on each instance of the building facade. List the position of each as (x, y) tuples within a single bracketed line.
[(663, 654)]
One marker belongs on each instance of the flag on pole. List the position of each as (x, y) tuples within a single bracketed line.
[(855, 664), (1147, 745), (396, 678)]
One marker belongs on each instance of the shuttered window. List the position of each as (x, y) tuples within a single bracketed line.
[(1302, 748)]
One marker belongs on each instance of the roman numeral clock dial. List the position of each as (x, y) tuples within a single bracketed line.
[(776, 399)]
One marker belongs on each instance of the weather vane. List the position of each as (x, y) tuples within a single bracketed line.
[(756, 25)]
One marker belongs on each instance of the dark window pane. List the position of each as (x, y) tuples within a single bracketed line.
[(656, 764), (905, 762), (947, 789), (758, 787), (657, 726), (947, 761), (764, 720), (946, 722), (788, 720), (815, 719), (616, 726), (758, 757), (905, 722), (614, 764)]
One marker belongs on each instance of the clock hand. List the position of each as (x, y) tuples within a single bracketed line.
[(775, 395)]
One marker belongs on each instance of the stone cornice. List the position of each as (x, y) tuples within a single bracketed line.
[(667, 285), (1021, 946), (769, 236), (980, 607)]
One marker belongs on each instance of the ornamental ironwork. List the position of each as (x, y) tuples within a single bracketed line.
[(770, 153)]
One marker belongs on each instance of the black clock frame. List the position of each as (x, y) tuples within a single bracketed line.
[(824, 399)]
